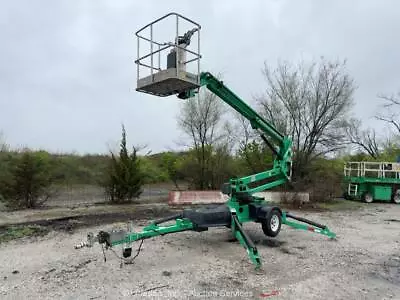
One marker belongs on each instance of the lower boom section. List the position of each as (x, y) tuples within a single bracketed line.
[(227, 215)]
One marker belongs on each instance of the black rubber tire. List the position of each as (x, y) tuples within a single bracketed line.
[(269, 229), (367, 198), (396, 198)]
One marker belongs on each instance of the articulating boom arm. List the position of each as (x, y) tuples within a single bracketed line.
[(281, 146)]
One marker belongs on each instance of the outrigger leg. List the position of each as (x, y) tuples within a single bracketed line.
[(312, 226)]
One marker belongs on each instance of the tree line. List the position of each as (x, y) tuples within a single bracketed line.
[(311, 102)]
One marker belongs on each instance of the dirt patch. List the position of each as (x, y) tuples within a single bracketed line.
[(270, 243), (71, 223), (393, 220), (388, 270)]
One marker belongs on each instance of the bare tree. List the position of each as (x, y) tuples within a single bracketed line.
[(200, 119), (251, 149), (309, 103), (391, 111), (365, 140)]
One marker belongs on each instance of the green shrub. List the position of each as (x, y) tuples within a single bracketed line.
[(124, 178), (29, 180)]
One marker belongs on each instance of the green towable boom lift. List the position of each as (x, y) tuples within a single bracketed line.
[(242, 206)]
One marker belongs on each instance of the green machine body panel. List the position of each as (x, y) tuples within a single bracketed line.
[(382, 192)]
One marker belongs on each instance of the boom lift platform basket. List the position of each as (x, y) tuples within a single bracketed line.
[(175, 77), (242, 206)]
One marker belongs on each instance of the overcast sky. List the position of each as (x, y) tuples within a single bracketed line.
[(67, 76)]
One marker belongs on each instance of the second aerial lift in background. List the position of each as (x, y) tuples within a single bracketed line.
[(372, 181), (243, 206)]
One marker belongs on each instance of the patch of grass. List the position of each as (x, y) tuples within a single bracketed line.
[(17, 232), (340, 204)]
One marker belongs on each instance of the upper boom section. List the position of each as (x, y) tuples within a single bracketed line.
[(222, 91)]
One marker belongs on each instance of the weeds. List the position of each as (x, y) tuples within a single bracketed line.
[(17, 232)]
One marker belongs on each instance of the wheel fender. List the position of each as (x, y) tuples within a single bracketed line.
[(266, 211)]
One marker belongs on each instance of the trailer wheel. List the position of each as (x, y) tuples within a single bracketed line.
[(271, 226), (396, 197), (367, 197)]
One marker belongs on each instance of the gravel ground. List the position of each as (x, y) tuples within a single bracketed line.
[(363, 263)]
